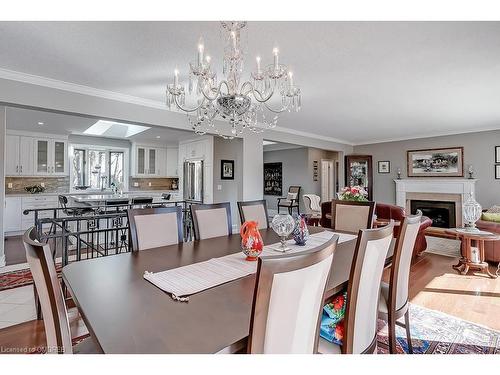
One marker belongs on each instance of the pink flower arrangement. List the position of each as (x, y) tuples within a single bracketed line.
[(353, 193)]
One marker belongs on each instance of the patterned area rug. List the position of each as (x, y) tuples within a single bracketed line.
[(434, 332), (15, 279)]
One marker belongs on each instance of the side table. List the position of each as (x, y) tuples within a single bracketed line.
[(469, 240)]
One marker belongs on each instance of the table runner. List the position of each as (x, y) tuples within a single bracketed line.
[(187, 280)]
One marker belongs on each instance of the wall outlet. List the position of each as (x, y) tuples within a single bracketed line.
[(149, 184), (136, 184), (42, 184), (9, 185), (219, 187)]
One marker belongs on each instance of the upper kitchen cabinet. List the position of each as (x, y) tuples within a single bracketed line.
[(19, 159), (172, 160), (51, 156), (149, 161)]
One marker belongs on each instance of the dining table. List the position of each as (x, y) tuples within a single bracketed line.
[(125, 313)]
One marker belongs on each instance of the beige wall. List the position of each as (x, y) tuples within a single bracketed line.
[(478, 152)]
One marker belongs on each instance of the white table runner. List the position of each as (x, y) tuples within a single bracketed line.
[(193, 278)]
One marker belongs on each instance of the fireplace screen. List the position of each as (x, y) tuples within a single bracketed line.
[(442, 213)]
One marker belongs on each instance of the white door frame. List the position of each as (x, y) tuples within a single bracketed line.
[(328, 182)]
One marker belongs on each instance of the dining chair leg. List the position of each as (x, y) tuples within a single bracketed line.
[(408, 335), (391, 329)]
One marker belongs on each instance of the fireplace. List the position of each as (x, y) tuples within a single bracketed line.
[(442, 213)]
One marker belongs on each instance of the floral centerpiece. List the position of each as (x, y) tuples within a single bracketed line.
[(353, 193)]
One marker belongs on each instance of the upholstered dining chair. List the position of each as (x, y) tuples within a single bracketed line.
[(291, 201), (254, 211), (394, 302), (276, 326), (55, 314), (313, 206), (351, 216), (211, 220), (155, 227), (360, 322)]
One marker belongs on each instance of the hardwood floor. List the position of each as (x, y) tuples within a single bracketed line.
[(433, 284), (436, 285)]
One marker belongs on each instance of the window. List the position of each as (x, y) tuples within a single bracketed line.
[(97, 168)]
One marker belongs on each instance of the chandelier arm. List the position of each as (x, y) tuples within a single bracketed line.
[(262, 99), (217, 93), (187, 109), (281, 110)]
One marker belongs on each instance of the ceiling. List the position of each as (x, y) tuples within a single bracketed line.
[(361, 81), (56, 123)]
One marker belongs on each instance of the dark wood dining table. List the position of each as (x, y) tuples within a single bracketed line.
[(126, 314)]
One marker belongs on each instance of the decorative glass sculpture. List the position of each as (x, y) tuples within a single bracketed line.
[(301, 232), (472, 213), (283, 225), (251, 240)]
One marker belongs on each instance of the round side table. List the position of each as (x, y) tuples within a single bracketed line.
[(469, 240)]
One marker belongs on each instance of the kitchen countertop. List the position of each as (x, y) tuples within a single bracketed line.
[(93, 198), (134, 192)]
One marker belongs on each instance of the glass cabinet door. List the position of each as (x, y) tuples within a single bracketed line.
[(59, 151), (152, 161), (141, 161), (42, 156)]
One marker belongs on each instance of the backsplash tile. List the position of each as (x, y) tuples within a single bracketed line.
[(156, 183), (52, 184)]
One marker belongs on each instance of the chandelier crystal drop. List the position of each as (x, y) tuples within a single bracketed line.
[(243, 104)]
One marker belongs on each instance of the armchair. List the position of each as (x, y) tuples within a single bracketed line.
[(291, 200)]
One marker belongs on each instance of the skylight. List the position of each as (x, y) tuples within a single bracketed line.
[(115, 129)]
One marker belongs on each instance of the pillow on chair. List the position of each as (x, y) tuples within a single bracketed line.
[(291, 196), (332, 320), (494, 210)]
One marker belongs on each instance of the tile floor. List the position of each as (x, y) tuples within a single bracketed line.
[(16, 306)]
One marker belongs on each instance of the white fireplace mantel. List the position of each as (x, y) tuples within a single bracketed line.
[(460, 186)]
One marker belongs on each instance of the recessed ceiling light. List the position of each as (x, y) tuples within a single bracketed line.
[(40, 123), (158, 137)]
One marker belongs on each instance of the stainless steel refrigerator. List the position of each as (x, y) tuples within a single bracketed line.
[(193, 181)]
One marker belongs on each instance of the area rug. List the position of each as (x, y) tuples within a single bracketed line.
[(443, 246), (16, 279), (434, 332)]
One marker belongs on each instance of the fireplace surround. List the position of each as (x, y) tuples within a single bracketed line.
[(450, 190)]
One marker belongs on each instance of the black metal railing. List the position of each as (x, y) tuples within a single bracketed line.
[(84, 232)]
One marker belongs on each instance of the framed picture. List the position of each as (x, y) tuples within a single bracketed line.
[(497, 171), (497, 154), (384, 166), (315, 170), (358, 172), (273, 179), (227, 169), (436, 162)]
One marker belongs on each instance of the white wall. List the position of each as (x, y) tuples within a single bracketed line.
[(231, 190), (253, 167), (3, 121), (478, 152)]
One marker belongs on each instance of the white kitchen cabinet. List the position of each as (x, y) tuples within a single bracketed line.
[(50, 157), (172, 160), (37, 202), (12, 214), (18, 156), (149, 161)]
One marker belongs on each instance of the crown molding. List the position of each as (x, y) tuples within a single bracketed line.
[(312, 135)]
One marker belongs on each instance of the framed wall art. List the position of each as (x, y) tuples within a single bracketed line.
[(438, 162)]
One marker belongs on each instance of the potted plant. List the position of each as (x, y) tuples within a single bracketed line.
[(353, 193)]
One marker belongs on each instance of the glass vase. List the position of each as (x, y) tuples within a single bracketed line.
[(472, 212), (283, 225)]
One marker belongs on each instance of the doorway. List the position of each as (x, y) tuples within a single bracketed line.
[(327, 180)]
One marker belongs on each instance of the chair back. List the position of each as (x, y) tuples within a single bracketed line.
[(363, 289), (211, 220), (401, 261), (313, 203), (254, 211), (288, 301), (155, 227), (55, 315), (352, 216)]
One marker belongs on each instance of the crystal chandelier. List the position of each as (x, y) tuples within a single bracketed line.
[(243, 104)]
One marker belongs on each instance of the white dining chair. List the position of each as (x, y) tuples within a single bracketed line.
[(394, 302), (360, 322), (55, 314), (351, 216), (278, 326), (155, 227), (313, 206), (211, 220), (254, 211)]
